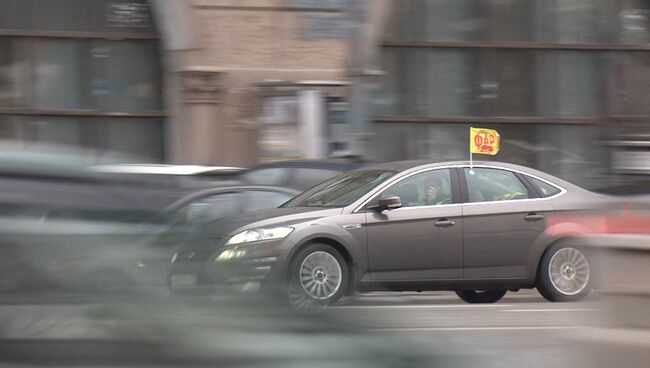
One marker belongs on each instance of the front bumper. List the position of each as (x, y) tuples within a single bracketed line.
[(246, 268), (260, 262)]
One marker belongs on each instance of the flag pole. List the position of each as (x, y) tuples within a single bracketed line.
[(471, 156), (471, 163)]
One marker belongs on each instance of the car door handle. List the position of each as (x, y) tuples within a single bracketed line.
[(444, 223), (532, 217)]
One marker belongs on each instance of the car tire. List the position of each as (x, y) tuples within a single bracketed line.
[(318, 276), (564, 274), (481, 296)]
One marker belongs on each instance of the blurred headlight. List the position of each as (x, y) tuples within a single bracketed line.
[(259, 234), (230, 254)]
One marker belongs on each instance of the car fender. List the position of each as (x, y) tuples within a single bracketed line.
[(353, 245), (564, 230)]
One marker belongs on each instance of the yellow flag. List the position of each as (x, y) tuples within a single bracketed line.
[(484, 141)]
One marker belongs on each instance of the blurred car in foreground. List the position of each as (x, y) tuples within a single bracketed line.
[(153, 332), (621, 253), (493, 227), (64, 226), (298, 174)]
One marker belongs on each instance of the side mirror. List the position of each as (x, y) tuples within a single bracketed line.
[(387, 203)]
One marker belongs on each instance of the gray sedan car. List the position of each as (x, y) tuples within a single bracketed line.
[(479, 231)]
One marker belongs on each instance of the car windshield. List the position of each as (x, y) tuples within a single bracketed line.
[(341, 190)]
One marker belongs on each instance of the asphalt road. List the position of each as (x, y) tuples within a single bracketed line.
[(522, 330)]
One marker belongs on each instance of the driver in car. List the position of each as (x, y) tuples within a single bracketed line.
[(435, 192)]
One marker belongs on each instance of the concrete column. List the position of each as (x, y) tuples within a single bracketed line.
[(312, 124), (178, 26), (203, 130)]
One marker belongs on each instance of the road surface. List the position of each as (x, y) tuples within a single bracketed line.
[(522, 330)]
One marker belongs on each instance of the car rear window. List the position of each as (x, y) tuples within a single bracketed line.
[(488, 185), (545, 189)]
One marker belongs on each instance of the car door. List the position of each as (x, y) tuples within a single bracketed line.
[(502, 219), (420, 240)]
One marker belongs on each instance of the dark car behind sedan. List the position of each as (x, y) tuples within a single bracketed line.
[(492, 227), (188, 177), (299, 174)]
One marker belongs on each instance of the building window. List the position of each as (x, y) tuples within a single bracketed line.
[(82, 72)]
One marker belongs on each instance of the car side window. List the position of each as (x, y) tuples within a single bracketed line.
[(259, 200), (424, 189), (487, 185), (545, 189)]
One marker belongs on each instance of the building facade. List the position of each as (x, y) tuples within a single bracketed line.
[(180, 81), (239, 81)]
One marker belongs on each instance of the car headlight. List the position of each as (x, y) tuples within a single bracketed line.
[(229, 254), (248, 236)]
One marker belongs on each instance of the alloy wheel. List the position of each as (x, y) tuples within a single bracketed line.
[(320, 275), (569, 271)]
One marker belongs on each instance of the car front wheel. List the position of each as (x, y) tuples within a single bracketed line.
[(481, 296), (564, 275), (317, 277)]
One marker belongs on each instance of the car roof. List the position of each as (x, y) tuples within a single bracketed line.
[(400, 166), (406, 165)]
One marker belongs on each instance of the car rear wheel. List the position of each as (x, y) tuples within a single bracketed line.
[(564, 274), (481, 296), (317, 277)]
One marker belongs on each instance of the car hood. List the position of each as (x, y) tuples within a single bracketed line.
[(265, 218)]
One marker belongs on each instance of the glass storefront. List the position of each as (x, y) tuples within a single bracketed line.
[(548, 74), (82, 72), (497, 82)]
